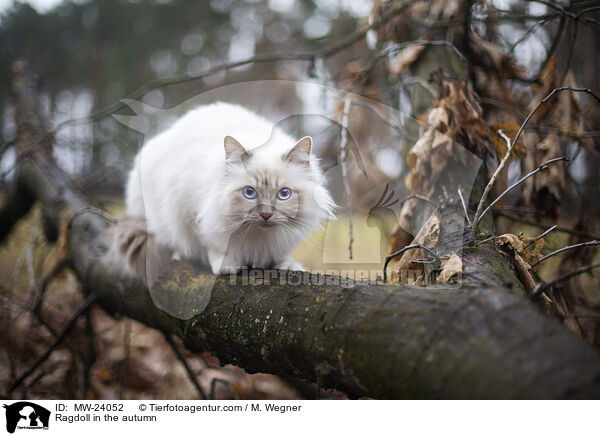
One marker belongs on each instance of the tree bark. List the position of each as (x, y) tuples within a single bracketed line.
[(382, 341)]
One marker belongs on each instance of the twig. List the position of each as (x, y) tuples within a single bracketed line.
[(344, 163), (537, 238), (510, 151), (542, 226), (183, 361), (489, 186), (184, 78), (462, 200), (528, 32), (420, 197), (548, 97), (59, 338), (401, 251), (124, 372), (383, 53), (568, 247), (213, 385), (29, 253), (553, 46), (542, 167), (37, 304), (542, 287), (487, 240), (570, 55), (93, 210)]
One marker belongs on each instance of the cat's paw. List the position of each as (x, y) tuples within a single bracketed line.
[(219, 265), (220, 270), (290, 265)]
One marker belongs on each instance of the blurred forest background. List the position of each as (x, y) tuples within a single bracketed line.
[(486, 63)]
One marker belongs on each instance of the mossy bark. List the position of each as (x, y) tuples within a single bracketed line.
[(383, 341)]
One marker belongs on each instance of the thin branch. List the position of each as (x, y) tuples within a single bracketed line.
[(462, 200), (570, 55), (501, 105), (528, 32), (183, 361), (37, 303), (510, 151), (548, 97), (542, 287), (487, 240), (401, 251), (537, 238), (420, 197), (542, 167), (490, 185), (383, 53), (93, 210), (542, 226), (344, 163), (186, 77), (568, 247), (59, 338)]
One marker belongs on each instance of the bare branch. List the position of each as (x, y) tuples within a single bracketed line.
[(420, 197), (542, 287), (344, 163), (462, 200), (401, 251), (537, 238), (187, 368), (383, 53), (561, 250), (93, 210), (542, 226), (542, 167), (509, 153)]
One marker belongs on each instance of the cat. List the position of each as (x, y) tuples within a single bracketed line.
[(225, 186)]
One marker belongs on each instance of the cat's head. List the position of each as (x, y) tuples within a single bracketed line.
[(275, 185)]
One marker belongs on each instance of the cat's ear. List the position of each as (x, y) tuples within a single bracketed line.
[(234, 152), (233, 149), (301, 151)]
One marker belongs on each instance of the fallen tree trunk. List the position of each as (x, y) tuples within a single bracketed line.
[(381, 341)]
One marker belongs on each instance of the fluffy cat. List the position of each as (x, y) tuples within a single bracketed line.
[(227, 186)]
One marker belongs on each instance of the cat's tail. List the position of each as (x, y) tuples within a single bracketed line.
[(135, 251)]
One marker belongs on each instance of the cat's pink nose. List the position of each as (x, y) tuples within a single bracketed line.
[(265, 215)]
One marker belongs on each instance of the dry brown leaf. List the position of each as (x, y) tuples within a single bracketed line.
[(451, 268), (523, 273), (545, 189), (465, 126), (511, 241), (405, 58), (444, 9), (400, 267), (518, 244)]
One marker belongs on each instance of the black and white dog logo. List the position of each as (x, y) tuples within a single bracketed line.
[(26, 415)]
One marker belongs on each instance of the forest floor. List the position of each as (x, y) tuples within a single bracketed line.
[(132, 360)]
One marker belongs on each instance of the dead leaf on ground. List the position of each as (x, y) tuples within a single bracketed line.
[(451, 268)]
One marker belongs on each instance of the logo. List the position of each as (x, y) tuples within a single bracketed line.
[(26, 415)]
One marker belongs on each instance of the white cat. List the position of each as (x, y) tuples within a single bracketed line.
[(205, 195)]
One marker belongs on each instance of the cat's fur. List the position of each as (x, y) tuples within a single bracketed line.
[(187, 183)]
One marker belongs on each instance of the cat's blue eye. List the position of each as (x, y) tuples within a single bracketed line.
[(249, 192), (284, 193)]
